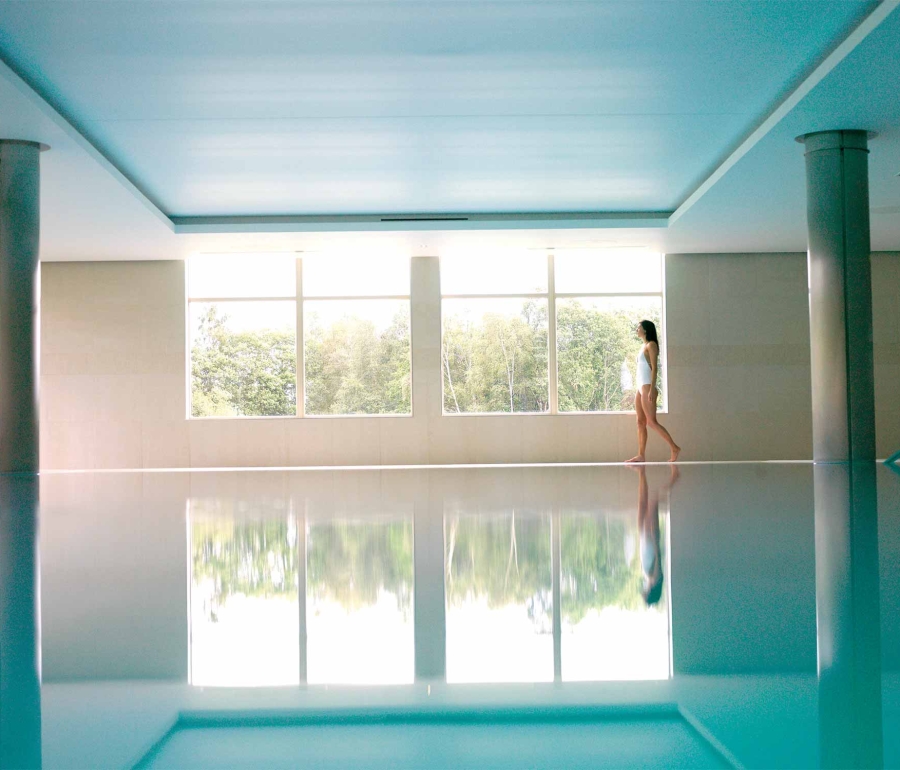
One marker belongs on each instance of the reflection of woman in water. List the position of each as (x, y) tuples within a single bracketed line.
[(648, 534), (647, 393)]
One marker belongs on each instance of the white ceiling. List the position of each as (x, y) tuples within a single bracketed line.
[(216, 108)]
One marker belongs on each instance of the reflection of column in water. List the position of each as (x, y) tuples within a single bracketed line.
[(848, 615), (429, 611), (20, 661), (302, 528), (555, 558)]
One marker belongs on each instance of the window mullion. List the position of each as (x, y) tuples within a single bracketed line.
[(552, 372), (301, 373)]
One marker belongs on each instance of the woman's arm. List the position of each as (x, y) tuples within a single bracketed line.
[(653, 349)]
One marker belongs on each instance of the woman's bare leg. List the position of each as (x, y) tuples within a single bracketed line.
[(643, 496), (641, 430), (650, 412)]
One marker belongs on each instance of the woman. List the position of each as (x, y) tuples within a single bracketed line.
[(645, 398)]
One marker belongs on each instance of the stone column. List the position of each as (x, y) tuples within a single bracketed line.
[(19, 304), (20, 646), (843, 406), (425, 300), (840, 299)]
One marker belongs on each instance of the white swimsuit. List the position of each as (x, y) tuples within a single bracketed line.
[(648, 553), (643, 370)]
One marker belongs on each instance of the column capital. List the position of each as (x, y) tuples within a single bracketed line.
[(27, 142), (840, 139)]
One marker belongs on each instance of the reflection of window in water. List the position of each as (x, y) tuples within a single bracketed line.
[(359, 602), (244, 604), (608, 631), (499, 598)]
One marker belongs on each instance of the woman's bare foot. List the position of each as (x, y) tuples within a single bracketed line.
[(636, 459), (675, 452)]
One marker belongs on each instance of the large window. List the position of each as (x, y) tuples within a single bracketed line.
[(547, 332), (276, 335), (324, 335), (356, 336), (494, 354), (243, 327)]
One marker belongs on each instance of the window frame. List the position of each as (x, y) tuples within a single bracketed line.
[(299, 299), (552, 349), (551, 296)]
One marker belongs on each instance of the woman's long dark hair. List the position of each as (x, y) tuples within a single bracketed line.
[(650, 330), (654, 594)]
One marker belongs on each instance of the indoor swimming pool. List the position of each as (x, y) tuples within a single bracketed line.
[(700, 615)]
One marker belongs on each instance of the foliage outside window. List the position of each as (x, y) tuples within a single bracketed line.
[(567, 343), (245, 312), (597, 351), (243, 327), (523, 333), (243, 359), (494, 353), (357, 355)]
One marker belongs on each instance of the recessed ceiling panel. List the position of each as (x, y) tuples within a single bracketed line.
[(760, 205), (229, 108)]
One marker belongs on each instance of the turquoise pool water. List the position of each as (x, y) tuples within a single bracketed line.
[(564, 616)]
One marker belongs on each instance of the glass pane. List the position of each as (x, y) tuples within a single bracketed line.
[(494, 355), (499, 599), (492, 273), (359, 614), (242, 275), (609, 631), (597, 346), (245, 606), (607, 271), (357, 356), (350, 276), (243, 359)]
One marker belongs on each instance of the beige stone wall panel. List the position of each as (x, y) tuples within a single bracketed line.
[(114, 393)]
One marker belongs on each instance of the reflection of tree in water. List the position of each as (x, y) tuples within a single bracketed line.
[(596, 572), (501, 560), (351, 564), (253, 558), (354, 563)]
